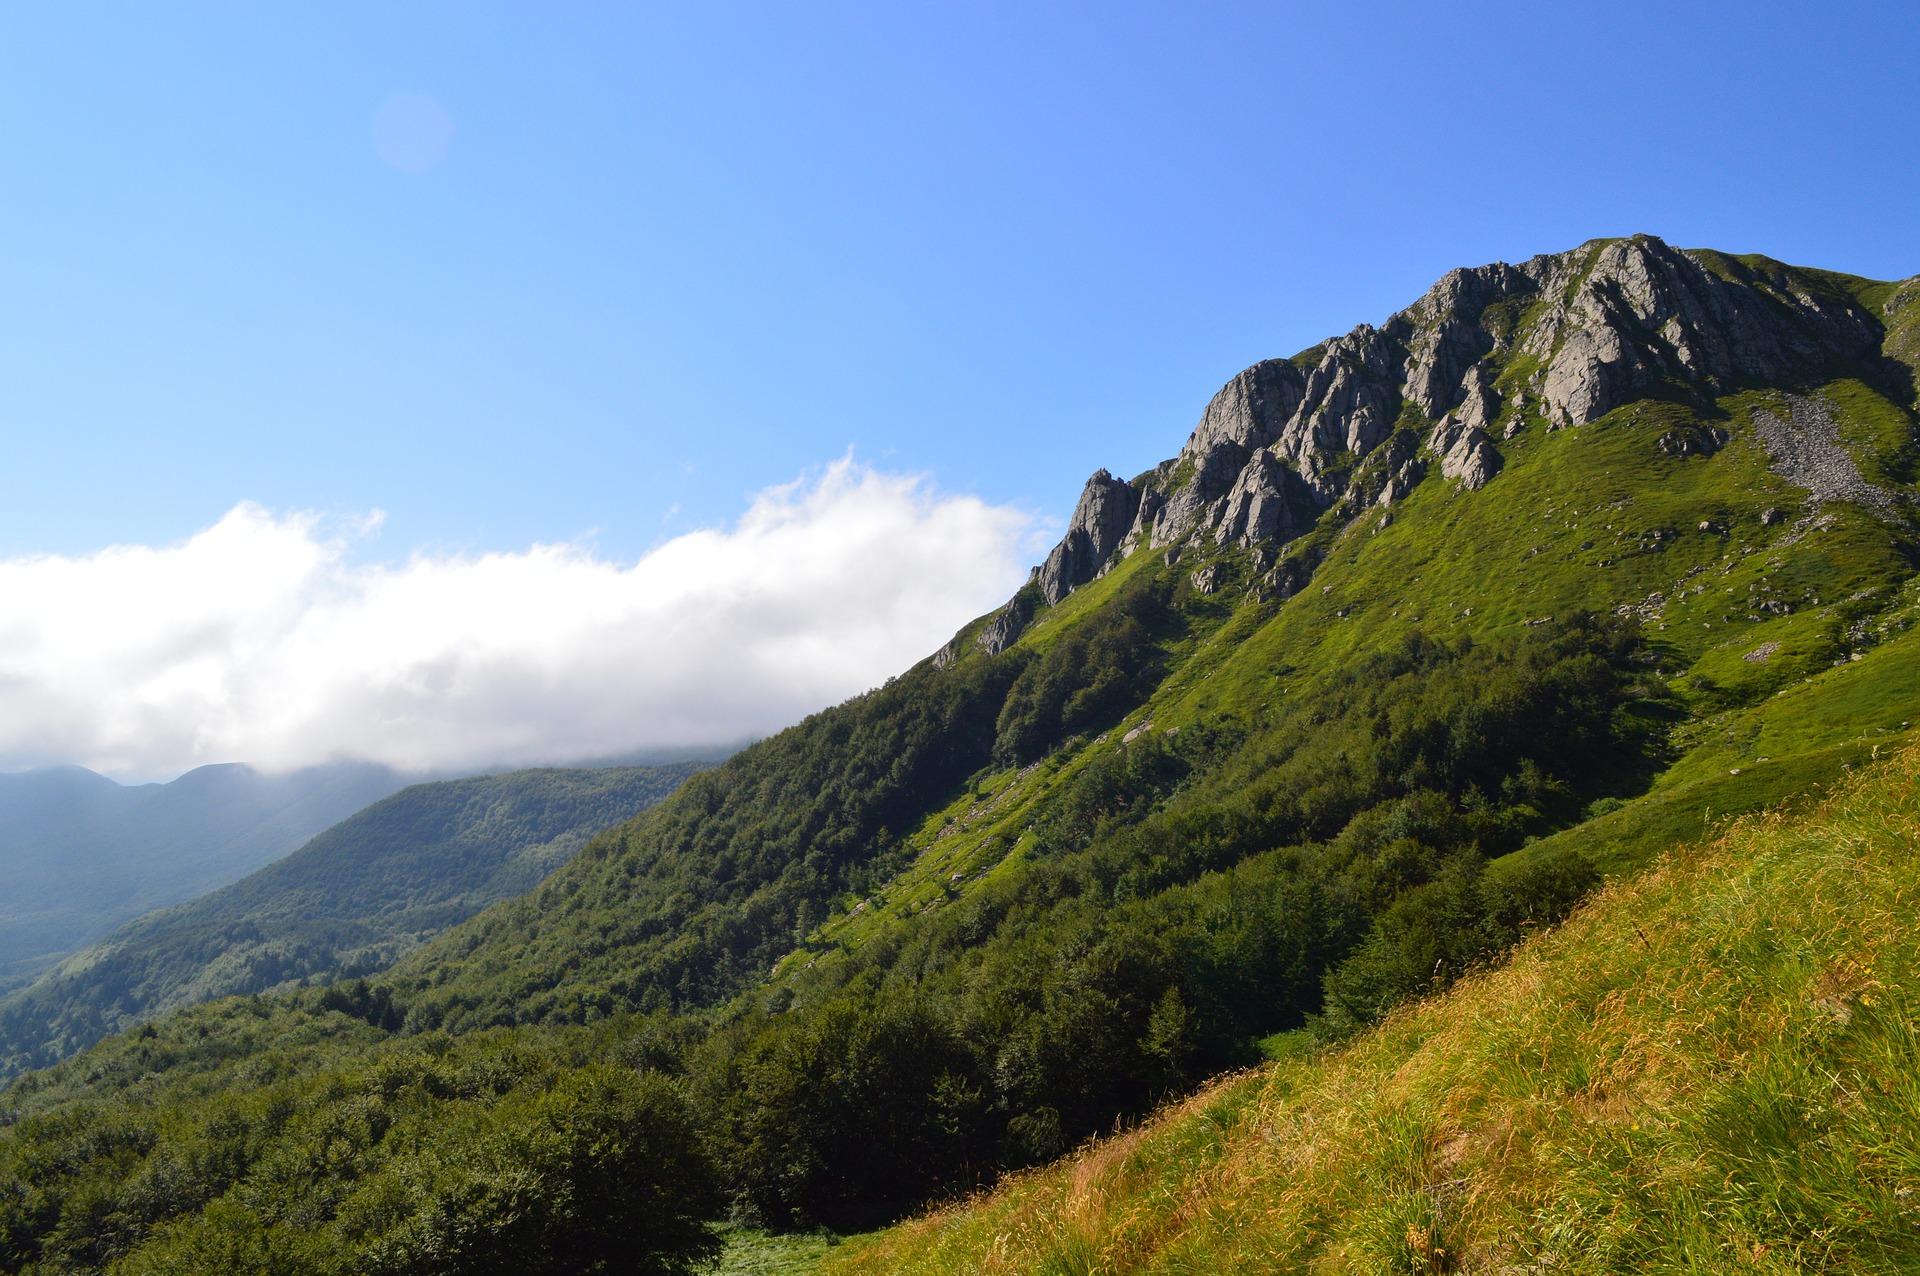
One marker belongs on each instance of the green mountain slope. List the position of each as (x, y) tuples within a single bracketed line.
[(1423, 633), (1710, 1069), (347, 904)]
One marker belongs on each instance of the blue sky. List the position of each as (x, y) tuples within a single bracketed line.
[(673, 257), (675, 254)]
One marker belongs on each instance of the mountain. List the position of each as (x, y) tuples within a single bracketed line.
[(1423, 635), (347, 904), (80, 854)]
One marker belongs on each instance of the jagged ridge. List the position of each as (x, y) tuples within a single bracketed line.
[(1558, 341)]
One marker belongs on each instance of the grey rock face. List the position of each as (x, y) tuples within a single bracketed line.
[(1147, 516), (1467, 457), (1247, 414), (1102, 517), (1010, 621), (1450, 337), (1268, 502), (1249, 410), (1005, 628), (1287, 578), (1634, 312), (1388, 473), (1352, 398), (1693, 442)]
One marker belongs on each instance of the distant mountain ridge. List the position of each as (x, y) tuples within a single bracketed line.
[(81, 854), (352, 900)]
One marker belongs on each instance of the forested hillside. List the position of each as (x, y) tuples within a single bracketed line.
[(348, 903), (1425, 632)]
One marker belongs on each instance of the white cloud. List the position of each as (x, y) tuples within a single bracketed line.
[(260, 640)]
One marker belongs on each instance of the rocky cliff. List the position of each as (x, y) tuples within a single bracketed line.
[(1555, 342)]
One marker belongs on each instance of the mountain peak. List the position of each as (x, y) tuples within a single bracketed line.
[(1556, 342)]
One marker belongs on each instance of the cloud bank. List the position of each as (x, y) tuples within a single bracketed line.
[(260, 640)]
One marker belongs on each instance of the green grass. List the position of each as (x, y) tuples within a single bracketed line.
[(751, 1252), (1713, 1067)]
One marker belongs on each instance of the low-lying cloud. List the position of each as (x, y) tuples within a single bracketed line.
[(261, 639)]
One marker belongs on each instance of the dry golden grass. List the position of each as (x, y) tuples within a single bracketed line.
[(1713, 1067)]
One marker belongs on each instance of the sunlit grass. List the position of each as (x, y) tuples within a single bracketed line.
[(1712, 1067), (750, 1252)]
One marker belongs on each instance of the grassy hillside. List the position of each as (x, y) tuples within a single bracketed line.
[(1710, 1067), (347, 904)]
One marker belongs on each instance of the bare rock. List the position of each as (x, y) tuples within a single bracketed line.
[(1465, 454), (1805, 449), (1392, 471), (1693, 442), (1152, 500), (1450, 337), (1281, 444), (1249, 410), (1247, 414), (1007, 624), (1635, 312), (1198, 504), (1287, 578), (1351, 400), (1269, 502), (1100, 521)]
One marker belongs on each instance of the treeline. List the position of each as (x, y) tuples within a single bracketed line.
[(1183, 896)]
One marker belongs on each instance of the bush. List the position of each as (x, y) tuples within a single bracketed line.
[(599, 1176)]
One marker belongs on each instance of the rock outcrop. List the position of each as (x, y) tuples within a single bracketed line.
[(1011, 620), (1633, 313), (1103, 516), (1558, 341), (1269, 501)]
